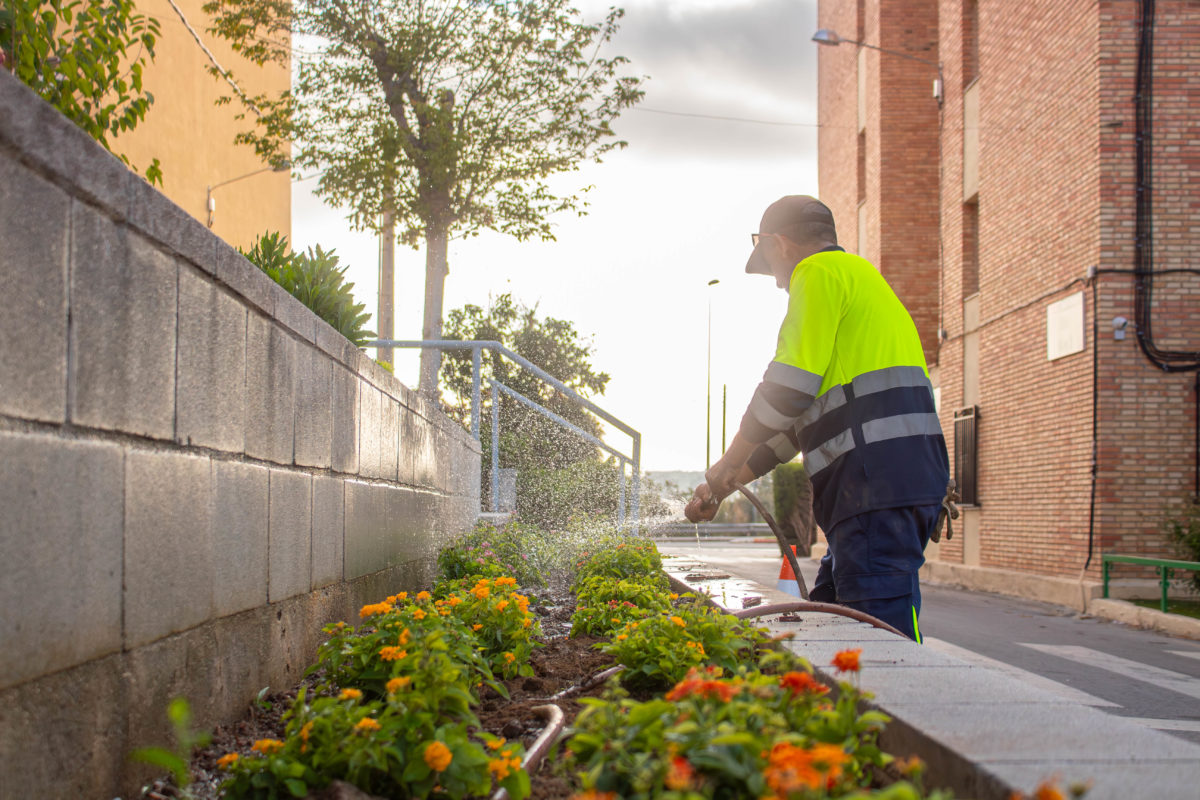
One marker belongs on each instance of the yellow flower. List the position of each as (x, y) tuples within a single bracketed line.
[(366, 724), (267, 746), (679, 621), (418, 614), (396, 684), (423, 596), (350, 694), (392, 653), (438, 756), (228, 760)]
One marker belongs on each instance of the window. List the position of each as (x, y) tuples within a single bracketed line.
[(966, 461)]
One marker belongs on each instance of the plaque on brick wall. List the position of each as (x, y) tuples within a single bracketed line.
[(1064, 327)]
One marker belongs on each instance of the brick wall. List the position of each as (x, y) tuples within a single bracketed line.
[(1056, 197)]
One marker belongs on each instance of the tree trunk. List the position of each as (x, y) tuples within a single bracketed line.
[(431, 328), (387, 285)]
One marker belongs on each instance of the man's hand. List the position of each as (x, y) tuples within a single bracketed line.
[(703, 506), (719, 480)]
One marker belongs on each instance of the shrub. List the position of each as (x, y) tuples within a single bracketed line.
[(1182, 527), (516, 550), (660, 650), (729, 734), (627, 558), (313, 278), (500, 620), (394, 747), (407, 639), (605, 605)]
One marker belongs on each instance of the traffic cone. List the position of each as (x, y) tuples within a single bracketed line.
[(787, 579)]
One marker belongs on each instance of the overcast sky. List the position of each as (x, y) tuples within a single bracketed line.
[(668, 214)]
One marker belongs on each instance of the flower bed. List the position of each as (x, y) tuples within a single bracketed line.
[(430, 695)]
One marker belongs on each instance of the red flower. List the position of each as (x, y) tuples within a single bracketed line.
[(847, 660), (802, 683), (679, 774)]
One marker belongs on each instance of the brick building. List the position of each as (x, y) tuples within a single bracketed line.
[(998, 192)]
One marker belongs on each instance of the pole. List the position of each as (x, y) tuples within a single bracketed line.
[(724, 387), (708, 386), (387, 285)]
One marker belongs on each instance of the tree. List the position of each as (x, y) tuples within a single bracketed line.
[(78, 55), (528, 439), (446, 117)]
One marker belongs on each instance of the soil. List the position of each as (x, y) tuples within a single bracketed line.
[(561, 663)]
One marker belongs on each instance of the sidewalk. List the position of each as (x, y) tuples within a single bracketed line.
[(983, 733)]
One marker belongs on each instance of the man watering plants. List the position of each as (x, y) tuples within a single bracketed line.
[(849, 388)]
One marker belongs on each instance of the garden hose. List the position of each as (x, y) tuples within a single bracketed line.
[(555, 722), (787, 551), (805, 604), (823, 608)]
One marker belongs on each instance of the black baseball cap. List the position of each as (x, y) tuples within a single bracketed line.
[(785, 216)]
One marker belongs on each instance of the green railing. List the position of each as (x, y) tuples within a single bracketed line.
[(1164, 566)]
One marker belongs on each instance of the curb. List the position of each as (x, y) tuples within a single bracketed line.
[(1149, 618)]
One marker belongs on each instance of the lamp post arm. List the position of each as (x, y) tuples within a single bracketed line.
[(900, 53)]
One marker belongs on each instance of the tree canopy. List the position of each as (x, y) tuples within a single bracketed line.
[(85, 58)]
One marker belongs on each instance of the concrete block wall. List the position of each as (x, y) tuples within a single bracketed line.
[(196, 473)]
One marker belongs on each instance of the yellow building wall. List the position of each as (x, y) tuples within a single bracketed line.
[(192, 137)]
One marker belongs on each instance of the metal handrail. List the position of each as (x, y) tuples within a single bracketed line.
[(1163, 565), (477, 347)]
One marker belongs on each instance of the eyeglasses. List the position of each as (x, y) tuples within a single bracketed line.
[(754, 237)]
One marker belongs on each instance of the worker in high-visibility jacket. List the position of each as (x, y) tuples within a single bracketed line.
[(848, 388)]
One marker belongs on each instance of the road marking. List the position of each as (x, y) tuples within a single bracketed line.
[(1167, 724), (1186, 653), (1156, 676), (1024, 676)]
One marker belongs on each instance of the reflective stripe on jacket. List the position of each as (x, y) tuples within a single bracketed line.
[(849, 388)]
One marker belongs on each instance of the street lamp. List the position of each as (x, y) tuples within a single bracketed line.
[(708, 387), (210, 202), (830, 38)]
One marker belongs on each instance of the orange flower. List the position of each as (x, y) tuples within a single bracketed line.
[(509, 658), (496, 744), (373, 609), (847, 660), (418, 614), (438, 756), (481, 592), (396, 684), (679, 621), (228, 760), (525, 623), (505, 581), (622, 637), (350, 694), (694, 684), (454, 600), (392, 653), (679, 774), (499, 768), (1048, 790), (476, 626), (503, 604), (802, 683), (592, 794), (267, 746), (401, 596), (423, 596), (828, 759), (790, 769), (305, 731), (674, 595), (366, 724)]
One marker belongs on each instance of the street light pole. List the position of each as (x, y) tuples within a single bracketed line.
[(210, 203), (830, 38), (708, 387)]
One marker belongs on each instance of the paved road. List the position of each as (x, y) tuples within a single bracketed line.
[(1145, 675)]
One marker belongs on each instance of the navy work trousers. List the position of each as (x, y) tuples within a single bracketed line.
[(872, 564)]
